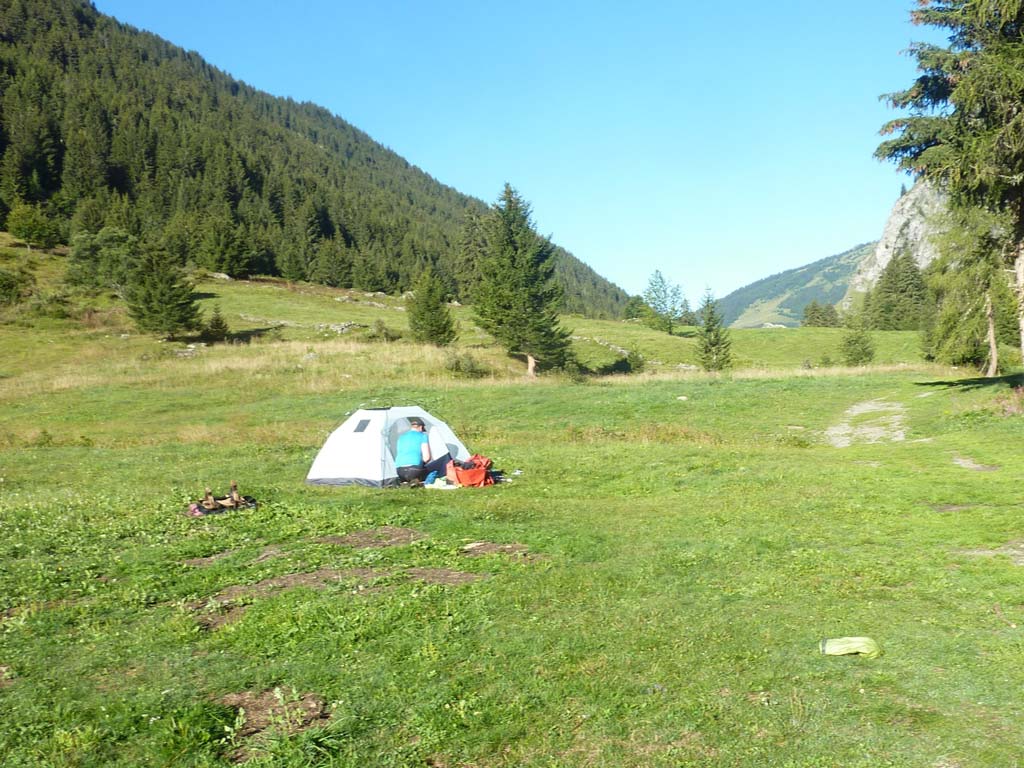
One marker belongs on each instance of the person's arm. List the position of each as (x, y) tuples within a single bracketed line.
[(425, 451)]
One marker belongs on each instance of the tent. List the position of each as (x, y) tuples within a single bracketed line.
[(362, 450)]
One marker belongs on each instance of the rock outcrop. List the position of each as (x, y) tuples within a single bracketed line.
[(914, 222)]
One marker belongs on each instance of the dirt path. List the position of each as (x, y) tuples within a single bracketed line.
[(873, 421)]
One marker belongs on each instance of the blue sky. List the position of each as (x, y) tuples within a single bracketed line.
[(719, 145)]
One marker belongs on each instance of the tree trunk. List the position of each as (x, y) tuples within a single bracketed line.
[(1018, 272), (531, 366), (993, 347)]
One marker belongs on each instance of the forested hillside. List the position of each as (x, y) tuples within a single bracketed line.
[(781, 298), (102, 125)]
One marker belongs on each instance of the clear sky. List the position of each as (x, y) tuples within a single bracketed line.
[(717, 143)]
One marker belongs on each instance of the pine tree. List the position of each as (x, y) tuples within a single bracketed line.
[(160, 299), (963, 127), (714, 344), (812, 316), (430, 319), (217, 328), (897, 302), (517, 298), (830, 316), (665, 300)]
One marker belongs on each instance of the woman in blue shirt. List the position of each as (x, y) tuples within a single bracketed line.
[(413, 452)]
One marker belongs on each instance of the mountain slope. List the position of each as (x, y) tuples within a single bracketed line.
[(780, 299), (104, 125)]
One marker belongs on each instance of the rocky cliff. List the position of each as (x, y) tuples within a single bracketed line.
[(913, 223), (843, 279)]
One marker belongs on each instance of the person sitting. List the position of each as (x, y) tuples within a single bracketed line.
[(414, 446), (413, 452)]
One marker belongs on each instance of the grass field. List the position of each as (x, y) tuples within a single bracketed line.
[(663, 565)]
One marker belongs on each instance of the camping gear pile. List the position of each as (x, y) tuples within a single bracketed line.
[(209, 505)]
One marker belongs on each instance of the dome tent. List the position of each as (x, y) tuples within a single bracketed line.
[(362, 450)]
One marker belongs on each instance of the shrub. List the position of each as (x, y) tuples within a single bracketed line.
[(14, 286), (857, 347), (380, 332), (465, 365)]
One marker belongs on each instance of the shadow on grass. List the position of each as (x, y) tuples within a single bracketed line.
[(1009, 382), (244, 337)]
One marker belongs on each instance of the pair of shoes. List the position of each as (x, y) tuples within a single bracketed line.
[(415, 483)]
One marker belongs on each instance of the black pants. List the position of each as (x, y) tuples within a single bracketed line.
[(408, 474), (405, 474)]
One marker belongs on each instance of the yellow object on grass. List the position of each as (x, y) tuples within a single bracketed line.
[(844, 646)]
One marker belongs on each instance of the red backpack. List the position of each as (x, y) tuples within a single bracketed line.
[(474, 472)]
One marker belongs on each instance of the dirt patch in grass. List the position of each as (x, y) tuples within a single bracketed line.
[(268, 553), (444, 576), (385, 536), (202, 562), (874, 421), (219, 615), (6, 676), (260, 712), (1014, 550), (951, 507), (967, 463), (481, 548), (229, 604)]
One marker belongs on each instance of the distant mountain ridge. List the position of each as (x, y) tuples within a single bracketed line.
[(780, 299), (912, 225)]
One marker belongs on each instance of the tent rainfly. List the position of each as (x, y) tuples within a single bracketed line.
[(362, 450)]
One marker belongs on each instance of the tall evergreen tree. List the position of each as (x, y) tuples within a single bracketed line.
[(964, 131), (430, 319), (517, 298), (812, 316), (972, 309), (714, 343), (160, 299), (897, 302)]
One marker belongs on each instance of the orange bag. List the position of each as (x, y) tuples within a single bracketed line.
[(474, 473)]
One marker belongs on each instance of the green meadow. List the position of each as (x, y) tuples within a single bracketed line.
[(649, 589)]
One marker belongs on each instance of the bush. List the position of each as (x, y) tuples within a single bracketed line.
[(30, 223), (465, 365), (14, 286), (380, 332), (857, 347)]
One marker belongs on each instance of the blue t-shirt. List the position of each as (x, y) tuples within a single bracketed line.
[(409, 453)]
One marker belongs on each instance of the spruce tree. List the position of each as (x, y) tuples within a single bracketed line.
[(962, 130), (517, 298), (430, 319), (714, 344), (898, 299), (160, 299), (812, 317), (830, 316), (217, 328)]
